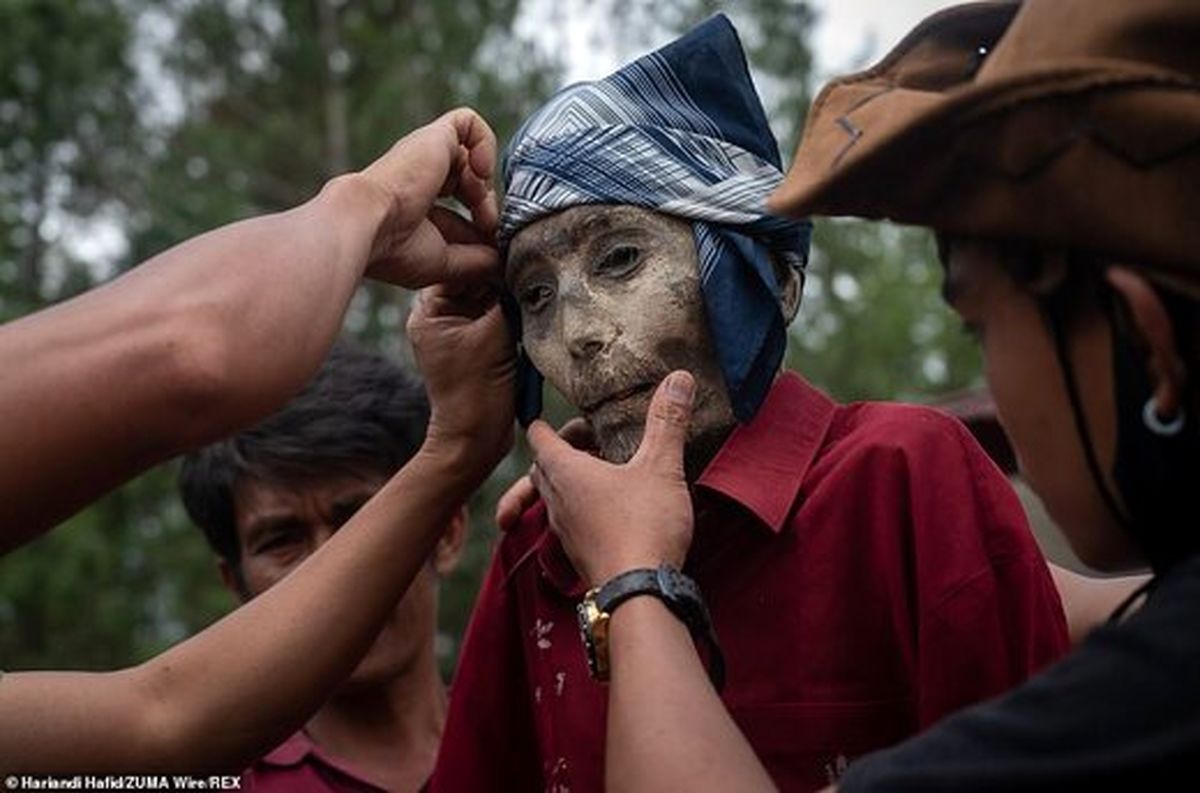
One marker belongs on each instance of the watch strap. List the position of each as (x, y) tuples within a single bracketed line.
[(681, 595)]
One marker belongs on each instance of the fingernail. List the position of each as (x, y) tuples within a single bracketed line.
[(680, 389)]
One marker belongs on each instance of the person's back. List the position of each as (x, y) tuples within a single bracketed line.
[(867, 568)]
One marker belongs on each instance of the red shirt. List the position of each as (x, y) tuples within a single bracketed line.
[(868, 570), (300, 766)]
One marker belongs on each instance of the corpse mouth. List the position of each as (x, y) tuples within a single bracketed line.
[(618, 396)]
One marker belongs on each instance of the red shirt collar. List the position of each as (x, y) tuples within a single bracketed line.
[(296, 749), (763, 463), (291, 751), (760, 466)]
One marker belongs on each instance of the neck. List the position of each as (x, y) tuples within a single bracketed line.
[(390, 731), (700, 451)]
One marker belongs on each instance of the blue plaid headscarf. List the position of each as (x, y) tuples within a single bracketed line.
[(680, 131)]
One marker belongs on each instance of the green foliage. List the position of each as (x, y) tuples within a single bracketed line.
[(872, 323), (65, 110)]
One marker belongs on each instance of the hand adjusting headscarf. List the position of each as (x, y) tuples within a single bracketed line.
[(680, 131)]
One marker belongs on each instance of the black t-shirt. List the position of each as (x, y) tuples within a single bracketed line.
[(1122, 711)]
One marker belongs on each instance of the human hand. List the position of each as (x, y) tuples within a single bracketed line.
[(417, 242), (462, 345), (522, 495), (614, 518)]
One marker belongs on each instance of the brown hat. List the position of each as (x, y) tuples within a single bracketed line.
[(1069, 123)]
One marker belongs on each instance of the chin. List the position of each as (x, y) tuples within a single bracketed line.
[(618, 444)]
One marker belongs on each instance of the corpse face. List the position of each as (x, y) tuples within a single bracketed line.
[(610, 304)]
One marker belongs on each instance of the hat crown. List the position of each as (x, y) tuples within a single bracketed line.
[(1145, 35)]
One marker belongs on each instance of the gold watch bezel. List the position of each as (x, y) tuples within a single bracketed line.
[(593, 625)]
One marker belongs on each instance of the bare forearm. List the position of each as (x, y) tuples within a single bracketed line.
[(229, 694), (667, 728), (1089, 600), (194, 343)]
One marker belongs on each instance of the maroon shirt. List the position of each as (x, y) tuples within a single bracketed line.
[(868, 570), (300, 766)]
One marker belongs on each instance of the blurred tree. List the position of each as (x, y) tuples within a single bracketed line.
[(66, 123)]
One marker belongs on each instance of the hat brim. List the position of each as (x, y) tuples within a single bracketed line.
[(1053, 154)]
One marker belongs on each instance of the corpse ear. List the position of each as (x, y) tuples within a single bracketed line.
[(1152, 322), (791, 286)]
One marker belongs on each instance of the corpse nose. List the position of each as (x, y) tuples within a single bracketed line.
[(587, 333)]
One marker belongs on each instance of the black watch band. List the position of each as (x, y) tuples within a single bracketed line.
[(680, 595)]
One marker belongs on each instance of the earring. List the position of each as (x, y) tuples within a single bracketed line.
[(1155, 423)]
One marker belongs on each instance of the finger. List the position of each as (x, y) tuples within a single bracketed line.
[(515, 502), (543, 485), (474, 133), (475, 193), (472, 264), (474, 186), (667, 423), (456, 228)]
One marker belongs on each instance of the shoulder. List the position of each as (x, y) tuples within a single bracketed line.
[(904, 435)]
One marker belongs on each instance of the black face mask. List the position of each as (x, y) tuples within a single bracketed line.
[(1154, 473)]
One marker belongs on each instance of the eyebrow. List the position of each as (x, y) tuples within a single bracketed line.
[(262, 525), (562, 240)]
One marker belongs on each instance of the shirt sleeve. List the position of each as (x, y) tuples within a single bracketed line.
[(489, 742), (1122, 712), (988, 614)]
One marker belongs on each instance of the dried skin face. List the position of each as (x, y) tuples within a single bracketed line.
[(610, 304)]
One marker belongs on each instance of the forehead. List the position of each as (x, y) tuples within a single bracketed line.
[(253, 496), (559, 235)]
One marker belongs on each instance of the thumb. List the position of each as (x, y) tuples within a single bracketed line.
[(667, 423)]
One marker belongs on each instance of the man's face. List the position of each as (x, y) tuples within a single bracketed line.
[(280, 525), (1032, 403), (610, 304)]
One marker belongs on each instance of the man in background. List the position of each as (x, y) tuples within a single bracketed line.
[(268, 497)]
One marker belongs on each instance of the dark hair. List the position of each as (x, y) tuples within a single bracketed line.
[(362, 413), (1083, 287)]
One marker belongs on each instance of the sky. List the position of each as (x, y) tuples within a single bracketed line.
[(849, 33)]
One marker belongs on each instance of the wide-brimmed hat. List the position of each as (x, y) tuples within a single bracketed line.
[(1069, 123)]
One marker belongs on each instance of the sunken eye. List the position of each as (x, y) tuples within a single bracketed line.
[(621, 260), (536, 297)]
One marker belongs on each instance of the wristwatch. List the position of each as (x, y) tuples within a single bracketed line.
[(673, 588)]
